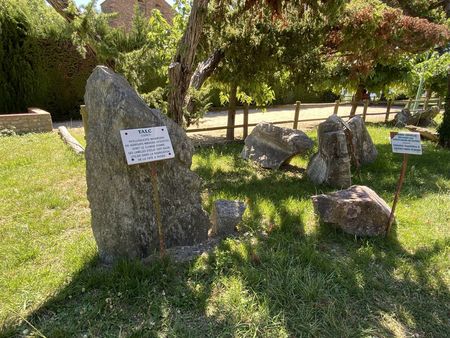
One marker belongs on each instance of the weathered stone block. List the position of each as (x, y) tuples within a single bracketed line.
[(271, 146), (225, 216), (120, 196), (357, 210)]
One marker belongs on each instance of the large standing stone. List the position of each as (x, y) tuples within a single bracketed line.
[(363, 147), (357, 210), (271, 146), (120, 196), (332, 163)]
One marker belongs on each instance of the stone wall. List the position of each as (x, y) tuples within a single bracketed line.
[(35, 121), (125, 10)]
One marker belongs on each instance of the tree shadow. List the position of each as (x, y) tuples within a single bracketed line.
[(277, 279)]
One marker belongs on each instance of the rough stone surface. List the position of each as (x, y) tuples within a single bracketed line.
[(332, 163), (357, 210), (120, 196), (225, 216), (364, 149), (271, 146), (426, 134), (423, 118)]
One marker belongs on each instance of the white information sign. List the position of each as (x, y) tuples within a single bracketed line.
[(146, 144), (406, 143)]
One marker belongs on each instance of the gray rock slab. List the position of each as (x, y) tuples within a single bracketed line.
[(364, 150), (357, 210), (120, 196), (225, 216), (271, 146)]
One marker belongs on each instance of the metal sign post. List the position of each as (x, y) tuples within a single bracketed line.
[(144, 145), (403, 143)]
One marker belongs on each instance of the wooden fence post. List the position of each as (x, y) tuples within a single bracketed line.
[(425, 104), (84, 117), (388, 111), (366, 106), (245, 120), (336, 107), (297, 113), (408, 105)]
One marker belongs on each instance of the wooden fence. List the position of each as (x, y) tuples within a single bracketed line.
[(424, 103)]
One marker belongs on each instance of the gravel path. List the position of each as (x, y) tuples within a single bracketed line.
[(283, 113)]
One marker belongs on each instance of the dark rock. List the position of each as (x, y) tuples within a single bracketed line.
[(332, 164), (120, 196), (357, 210), (423, 118), (225, 216), (363, 147), (271, 146)]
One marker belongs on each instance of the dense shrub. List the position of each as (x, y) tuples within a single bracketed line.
[(39, 66)]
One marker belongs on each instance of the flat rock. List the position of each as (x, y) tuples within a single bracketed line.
[(225, 216), (120, 196), (271, 146), (332, 163), (363, 147), (357, 210), (425, 133)]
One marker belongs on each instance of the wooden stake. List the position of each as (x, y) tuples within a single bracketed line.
[(157, 208), (397, 193), (366, 106), (297, 113), (336, 107), (388, 111), (245, 120)]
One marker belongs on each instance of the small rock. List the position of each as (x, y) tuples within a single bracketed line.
[(426, 134), (357, 210), (225, 217), (423, 118), (271, 146)]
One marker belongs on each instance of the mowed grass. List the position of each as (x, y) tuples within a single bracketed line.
[(284, 276)]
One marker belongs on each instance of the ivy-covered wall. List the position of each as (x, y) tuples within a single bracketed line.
[(39, 66)]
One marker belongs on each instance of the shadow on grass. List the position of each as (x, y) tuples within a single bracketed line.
[(286, 282)]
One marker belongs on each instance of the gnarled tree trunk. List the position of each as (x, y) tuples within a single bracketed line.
[(180, 70)]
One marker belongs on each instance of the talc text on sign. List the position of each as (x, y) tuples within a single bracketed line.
[(147, 144)]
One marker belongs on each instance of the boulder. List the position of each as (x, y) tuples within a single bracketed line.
[(332, 163), (423, 117), (225, 216), (120, 195), (357, 210), (271, 146), (363, 148)]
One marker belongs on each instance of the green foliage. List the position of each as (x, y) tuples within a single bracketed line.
[(288, 276), (38, 64)]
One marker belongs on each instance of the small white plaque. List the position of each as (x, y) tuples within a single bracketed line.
[(146, 144), (406, 143)]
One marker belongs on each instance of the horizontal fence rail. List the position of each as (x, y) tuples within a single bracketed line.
[(337, 104)]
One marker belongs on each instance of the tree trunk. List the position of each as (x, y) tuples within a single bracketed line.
[(203, 71), (357, 98), (232, 112), (180, 70)]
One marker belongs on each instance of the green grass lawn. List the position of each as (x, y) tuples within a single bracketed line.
[(302, 279)]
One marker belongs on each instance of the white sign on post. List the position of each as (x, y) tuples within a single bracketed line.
[(146, 144), (406, 143)]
